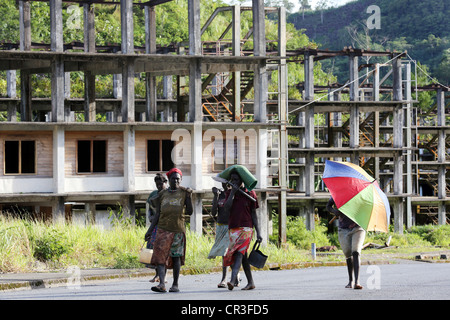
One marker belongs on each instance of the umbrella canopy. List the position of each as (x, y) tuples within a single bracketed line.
[(357, 195)]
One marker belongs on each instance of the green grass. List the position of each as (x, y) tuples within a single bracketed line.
[(29, 246)]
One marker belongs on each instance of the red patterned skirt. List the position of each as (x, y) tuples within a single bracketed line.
[(239, 242)]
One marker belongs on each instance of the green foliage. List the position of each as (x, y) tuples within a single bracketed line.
[(23, 242), (9, 24), (407, 239), (51, 245), (420, 27), (127, 260), (298, 235), (436, 235), (426, 235)]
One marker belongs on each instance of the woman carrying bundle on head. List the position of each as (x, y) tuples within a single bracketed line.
[(242, 219)]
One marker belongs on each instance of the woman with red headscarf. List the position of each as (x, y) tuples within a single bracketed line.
[(170, 244)]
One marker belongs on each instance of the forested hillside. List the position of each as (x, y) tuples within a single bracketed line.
[(420, 27)]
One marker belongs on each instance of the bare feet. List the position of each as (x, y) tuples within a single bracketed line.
[(358, 286), (350, 285), (249, 287), (230, 286)]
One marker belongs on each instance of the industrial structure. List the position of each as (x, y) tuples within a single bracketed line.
[(221, 113)]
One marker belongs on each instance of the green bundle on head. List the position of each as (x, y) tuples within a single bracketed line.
[(247, 177)]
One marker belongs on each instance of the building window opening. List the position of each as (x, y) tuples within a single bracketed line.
[(20, 157), (91, 156), (159, 155)]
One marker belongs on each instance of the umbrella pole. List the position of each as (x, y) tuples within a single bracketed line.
[(331, 221)]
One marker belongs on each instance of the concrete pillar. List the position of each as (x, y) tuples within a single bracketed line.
[(236, 39), (57, 65), (195, 112), (59, 210), (11, 93), (398, 143), (126, 14), (150, 48), (283, 108), (441, 151), (11, 83), (309, 144), (309, 76), (89, 209), (129, 151), (301, 144), (89, 78), (128, 207), (376, 83), (354, 111), (354, 82), (408, 155), (309, 222), (195, 84), (25, 45), (58, 160), (260, 77)]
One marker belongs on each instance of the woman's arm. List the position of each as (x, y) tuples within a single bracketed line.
[(256, 225)]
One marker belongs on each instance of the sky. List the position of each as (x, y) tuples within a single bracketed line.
[(313, 3), (335, 3)]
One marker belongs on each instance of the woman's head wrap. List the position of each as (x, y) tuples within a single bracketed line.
[(174, 170)]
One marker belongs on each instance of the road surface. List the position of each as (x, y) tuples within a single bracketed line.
[(404, 281)]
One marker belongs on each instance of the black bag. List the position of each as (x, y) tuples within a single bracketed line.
[(256, 257)]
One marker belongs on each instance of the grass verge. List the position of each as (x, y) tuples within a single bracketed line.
[(30, 246)]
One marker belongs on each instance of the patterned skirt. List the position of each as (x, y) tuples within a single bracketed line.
[(221, 242), (239, 242), (152, 238), (168, 245)]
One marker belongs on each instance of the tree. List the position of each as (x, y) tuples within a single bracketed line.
[(304, 5), (443, 70), (322, 5)]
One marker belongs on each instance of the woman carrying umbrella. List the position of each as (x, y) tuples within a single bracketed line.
[(170, 243), (361, 206), (351, 237)]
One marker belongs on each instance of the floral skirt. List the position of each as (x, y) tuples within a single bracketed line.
[(239, 242), (168, 245)]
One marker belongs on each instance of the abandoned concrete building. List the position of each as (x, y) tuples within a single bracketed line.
[(60, 167)]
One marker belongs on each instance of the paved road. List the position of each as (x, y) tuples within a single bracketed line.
[(414, 280)]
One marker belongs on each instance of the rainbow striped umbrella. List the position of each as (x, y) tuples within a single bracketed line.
[(357, 195)]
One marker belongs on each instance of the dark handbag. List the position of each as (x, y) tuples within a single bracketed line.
[(256, 257)]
